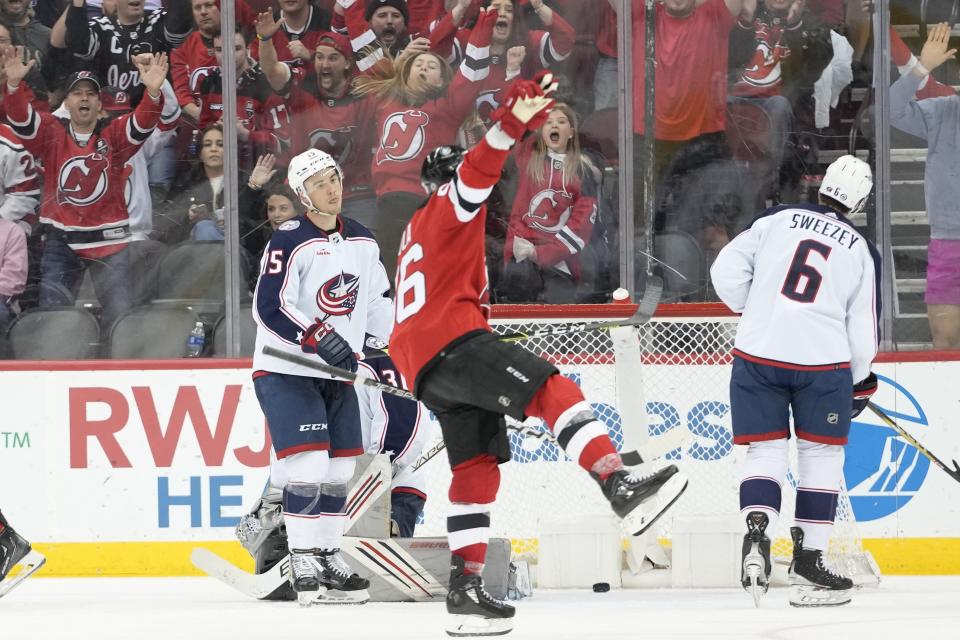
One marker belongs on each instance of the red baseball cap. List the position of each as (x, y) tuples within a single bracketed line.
[(336, 41)]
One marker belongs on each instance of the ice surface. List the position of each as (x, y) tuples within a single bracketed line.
[(903, 608)]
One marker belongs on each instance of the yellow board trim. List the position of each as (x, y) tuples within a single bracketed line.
[(905, 556), (132, 559)]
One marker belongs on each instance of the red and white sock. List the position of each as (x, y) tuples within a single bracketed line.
[(560, 403), (473, 489)]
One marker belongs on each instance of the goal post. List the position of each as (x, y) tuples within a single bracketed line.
[(678, 383)]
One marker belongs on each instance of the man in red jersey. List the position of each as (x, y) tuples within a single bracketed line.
[(441, 340), (83, 209)]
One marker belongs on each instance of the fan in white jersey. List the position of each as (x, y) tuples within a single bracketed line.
[(807, 285), (322, 287)]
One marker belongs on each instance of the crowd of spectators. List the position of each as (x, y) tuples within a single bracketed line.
[(378, 84)]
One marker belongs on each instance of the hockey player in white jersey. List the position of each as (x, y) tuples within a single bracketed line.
[(321, 289), (807, 286)]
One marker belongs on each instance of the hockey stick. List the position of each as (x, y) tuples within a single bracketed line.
[(342, 374), (887, 420), (366, 490), (645, 310)]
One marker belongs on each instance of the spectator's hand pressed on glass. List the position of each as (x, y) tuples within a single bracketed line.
[(152, 78), (14, 66), (934, 52), (266, 26), (298, 50), (515, 57), (262, 171)]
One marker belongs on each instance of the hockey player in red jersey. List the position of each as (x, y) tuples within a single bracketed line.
[(442, 342), (83, 208)]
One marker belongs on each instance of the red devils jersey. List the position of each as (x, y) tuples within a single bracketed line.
[(441, 283), (83, 184), (406, 134), (544, 49), (195, 53), (763, 73), (556, 214), (340, 126), (258, 106)]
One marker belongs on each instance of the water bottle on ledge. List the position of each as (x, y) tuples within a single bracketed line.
[(196, 340)]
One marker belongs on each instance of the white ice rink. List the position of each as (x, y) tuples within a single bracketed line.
[(903, 608)]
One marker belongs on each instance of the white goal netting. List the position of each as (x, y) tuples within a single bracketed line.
[(684, 382)]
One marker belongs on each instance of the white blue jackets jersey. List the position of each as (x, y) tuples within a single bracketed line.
[(808, 286), (308, 274), (398, 427)]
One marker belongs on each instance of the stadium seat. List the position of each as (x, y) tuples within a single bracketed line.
[(152, 331), (54, 333), (248, 334), (192, 271)]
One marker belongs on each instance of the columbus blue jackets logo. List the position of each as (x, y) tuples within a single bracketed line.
[(403, 137), (338, 295), (82, 180)]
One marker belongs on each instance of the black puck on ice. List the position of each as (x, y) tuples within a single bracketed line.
[(601, 587)]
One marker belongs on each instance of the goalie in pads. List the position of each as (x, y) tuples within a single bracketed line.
[(442, 342)]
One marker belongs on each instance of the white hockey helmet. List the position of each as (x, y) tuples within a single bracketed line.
[(848, 181), (307, 164)]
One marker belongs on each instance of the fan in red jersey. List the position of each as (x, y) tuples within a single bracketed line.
[(421, 105), (553, 214), (261, 115), (325, 115), (471, 380), (533, 49), (87, 222)]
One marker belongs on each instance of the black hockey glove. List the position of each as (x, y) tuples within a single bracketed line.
[(862, 392), (322, 339)]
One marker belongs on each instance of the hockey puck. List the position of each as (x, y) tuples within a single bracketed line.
[(601, 587)]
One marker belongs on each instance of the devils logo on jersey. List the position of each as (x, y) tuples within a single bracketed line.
[(82, 180), (338, 295), (764, 69), (338, 142), (541, 214), (403, 136)]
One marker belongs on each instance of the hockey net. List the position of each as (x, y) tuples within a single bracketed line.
[(684, 381)]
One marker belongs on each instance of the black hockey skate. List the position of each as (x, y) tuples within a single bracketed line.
[(640, 501), (471, 611), (304, 575), (14, 550), (755, 571), (813, 584), (339, 583)]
